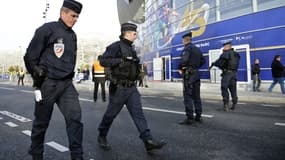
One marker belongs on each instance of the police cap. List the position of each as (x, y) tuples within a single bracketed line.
[(226, 43), (73, 5), (187, 35), (128, 27)]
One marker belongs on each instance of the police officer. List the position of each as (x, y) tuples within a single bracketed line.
[(228, 62), (50, 58), (124, 67), (191, 60), (98, 74)]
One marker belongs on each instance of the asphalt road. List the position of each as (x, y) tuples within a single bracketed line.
[(252, 132)]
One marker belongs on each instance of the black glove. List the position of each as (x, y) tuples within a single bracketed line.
[(131, 59), (39, 76)]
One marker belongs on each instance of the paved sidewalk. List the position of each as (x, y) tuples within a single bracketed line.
[(212, 91), (208, 91)]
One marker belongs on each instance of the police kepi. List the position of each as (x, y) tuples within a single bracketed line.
[(191, 60), (50, 59), (123, 62)]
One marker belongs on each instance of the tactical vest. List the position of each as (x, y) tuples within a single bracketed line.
[(127, 70), (233, 62)]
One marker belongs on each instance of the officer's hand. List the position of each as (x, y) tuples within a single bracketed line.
[(38, 95), (180, 71), (125, 59), (40, 71)]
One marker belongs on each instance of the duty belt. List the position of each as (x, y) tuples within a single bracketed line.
[(229, 70), (126, 83)]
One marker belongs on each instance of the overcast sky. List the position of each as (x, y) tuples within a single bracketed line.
[(20, 18)]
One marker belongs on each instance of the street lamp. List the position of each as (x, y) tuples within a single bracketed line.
[(45, 12)]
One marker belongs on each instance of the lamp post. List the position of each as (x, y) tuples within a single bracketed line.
[(46, 10)]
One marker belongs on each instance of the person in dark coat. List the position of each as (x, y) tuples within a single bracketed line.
[(278, 73), (256, 76)]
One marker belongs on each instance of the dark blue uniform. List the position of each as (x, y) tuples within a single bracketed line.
[(53, 50), (122, 89), (229, 62), (191, 60)]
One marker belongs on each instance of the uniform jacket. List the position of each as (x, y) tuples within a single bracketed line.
[(191, 58), (53, 46), (229, 60), (114, 56)]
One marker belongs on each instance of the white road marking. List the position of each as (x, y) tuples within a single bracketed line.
[(26, 91), (83, 99), (270, 105), (212, 101), (1, 118), (57, 146), (279, 124), (11, 124), (148, 96), (27, 132), (175, 112), (171, 98), (7, 88), (15, 116), (242, 103)]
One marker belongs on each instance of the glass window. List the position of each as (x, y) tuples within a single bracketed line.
[(266, 4), (234, 8)]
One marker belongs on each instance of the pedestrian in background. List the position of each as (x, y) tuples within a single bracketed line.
[(99, 78), (145, 77), (191, 60), (278, 73), (21, 76), (256, 76), (51, 58), (228, 62)]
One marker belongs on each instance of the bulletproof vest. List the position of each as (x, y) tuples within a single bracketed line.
[(233, 62), (127, 70)]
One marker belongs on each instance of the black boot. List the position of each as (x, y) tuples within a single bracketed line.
[(198, 118), (37, 157), (226, 107), (77, 158), (153, 144), (103, 143), (187, 121), (233, 107)]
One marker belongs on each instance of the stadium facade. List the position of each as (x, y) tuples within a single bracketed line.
[(255, 27)]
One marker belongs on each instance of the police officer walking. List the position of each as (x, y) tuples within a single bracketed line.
[(50, 58), (228, 62), (191, 60), (124, 67), (98, 74)]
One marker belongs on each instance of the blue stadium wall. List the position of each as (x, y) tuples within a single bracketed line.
[(264, 32)]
